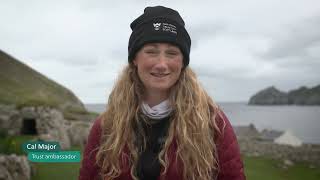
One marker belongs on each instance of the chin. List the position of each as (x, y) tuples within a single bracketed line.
[(160, 88)]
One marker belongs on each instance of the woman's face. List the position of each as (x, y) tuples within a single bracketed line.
[(159, 66)]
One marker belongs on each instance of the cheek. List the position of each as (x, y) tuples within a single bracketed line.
[(144, 68), (176, 67), (144, 64), (143, 71)]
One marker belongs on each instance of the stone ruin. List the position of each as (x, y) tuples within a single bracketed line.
[(14, 167), (44, 123)]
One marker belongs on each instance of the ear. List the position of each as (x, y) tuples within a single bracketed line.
[(134, 61)]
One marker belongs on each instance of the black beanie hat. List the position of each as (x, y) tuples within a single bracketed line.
[(159, 24)]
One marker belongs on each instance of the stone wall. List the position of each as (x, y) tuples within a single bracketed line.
[(50, 124), (8, 115), (78, 133), (305, 153), (14, 167)]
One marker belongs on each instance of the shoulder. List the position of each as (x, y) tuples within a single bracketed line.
[(89, 169), (97, 124), (220, 120), (226, 134), (93, 140), (228, 151), (95, 132)]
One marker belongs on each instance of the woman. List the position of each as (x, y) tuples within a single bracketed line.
[(159, 122)]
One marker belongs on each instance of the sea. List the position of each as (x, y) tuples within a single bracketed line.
[(302, 121)]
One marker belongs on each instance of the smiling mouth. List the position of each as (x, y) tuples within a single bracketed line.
[(159, 75)]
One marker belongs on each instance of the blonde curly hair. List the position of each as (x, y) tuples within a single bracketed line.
[(193, 127)]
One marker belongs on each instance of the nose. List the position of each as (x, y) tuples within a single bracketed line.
[(161, 64)]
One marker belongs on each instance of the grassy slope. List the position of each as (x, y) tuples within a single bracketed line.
[(21, 85)]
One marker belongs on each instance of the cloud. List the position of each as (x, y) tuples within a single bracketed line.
[(236, 73), (73, 60), (205, 31), (238, 47), (296, 41)]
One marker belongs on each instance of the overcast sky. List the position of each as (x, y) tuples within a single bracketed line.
[(238, 47)]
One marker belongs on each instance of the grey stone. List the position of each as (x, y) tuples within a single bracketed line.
[(78, 133), (47, 121), (287, 162), (14, 167), (305, 153)]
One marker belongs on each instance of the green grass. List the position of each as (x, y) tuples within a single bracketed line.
[(255, 168), (12, 144), (54, 171), (265, 169), (61, 171), (43, 171)]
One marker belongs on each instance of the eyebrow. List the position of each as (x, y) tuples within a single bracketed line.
[(157, 44)]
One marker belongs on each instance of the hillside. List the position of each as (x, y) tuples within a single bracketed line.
[(23, 86), (305, 96), (269, 96), (300, 96)]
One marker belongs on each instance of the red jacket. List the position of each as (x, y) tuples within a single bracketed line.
[(230, 163)]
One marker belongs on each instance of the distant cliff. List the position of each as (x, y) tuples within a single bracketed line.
[(23, 86), (273, 96), (305, 96)]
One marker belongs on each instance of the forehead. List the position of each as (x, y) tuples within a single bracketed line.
[(161, 44)]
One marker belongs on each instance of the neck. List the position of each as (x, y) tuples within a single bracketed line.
[(154, 98)]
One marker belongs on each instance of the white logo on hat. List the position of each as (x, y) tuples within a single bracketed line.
[(169, 28), (156, 26), (166, 27)]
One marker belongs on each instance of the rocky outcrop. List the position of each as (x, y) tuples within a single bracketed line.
[(269, 96), (273, 96), (14, 167), (305, 96)]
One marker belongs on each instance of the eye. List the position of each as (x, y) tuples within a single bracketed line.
[(150, 51), (172, 52)]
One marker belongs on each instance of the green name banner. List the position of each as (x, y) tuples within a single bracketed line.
[(43, 146), (61, 156)]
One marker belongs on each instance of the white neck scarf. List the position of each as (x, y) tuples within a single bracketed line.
[(159, 111)]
